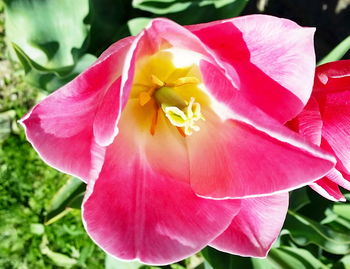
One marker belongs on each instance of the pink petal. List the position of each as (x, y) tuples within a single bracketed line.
[(66, 150), (332, 77), (60, 127), (332, 92), (137, 210), (309, 122), (105, 121), (335, 110), (255, 228), (113, 64), (236, 154), (328, 185), (233, 159), (274, 59), (165, 152), (162, 33), (339, 178), (328, 189)]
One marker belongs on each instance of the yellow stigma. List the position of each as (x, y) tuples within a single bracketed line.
[(185, 118)]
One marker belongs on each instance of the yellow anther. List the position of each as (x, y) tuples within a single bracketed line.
[(184, 81), (181, 114), (157, 81), (144, 98)]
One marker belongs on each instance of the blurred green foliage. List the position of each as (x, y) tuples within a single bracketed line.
[(27, 186), (53, 33)]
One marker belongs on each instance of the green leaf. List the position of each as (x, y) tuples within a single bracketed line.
[(343, 263), (57, 258), (337, 218), (37, 228), (52, 33), (298, 199), (172, 6), (108, 23), (190, 12), (305, 231), (347, 196), (113, 263), (50, 79), (215, 259), (161, 6), (176, 266), (207, 265), (221, 260), (76, 201), (342, 210), (262, 264), (65, 193), (137, 24), (58, 216), (337, 53), (64, 197), (293, 258), (318, 206)]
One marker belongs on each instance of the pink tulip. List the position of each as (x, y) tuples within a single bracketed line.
[(325, 121), (168, 126)]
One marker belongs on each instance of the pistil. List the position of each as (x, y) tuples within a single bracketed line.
[(181, 113), (167, 96)]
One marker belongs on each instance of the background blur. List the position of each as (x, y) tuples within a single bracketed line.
[(46, 43)]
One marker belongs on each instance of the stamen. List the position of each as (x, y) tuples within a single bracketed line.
[(185, 118), (181, 114), (157, 81), (184, 81), (144, 98), (154, 120), (181, 131)]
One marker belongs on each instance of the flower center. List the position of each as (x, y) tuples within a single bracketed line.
[(181, 113)]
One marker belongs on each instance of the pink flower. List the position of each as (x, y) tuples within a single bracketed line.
[(169, 125), (325, 121)]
